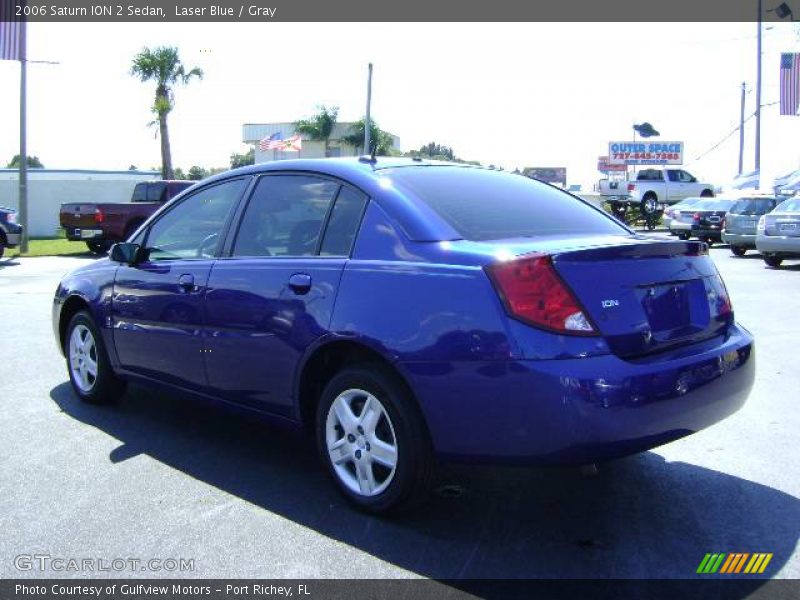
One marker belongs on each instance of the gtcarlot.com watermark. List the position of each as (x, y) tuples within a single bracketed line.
[(68, 564)]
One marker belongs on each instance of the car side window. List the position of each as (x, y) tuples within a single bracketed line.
[(193, 228), (155, 192), (284, 216), (685, 177), (342, 227), (674, 176), (139, 193)]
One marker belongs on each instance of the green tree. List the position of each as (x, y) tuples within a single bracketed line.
[(33, 162), (197, 173), (319, 127), (133, 168), (178, 173), (242, 160), (379, 139), (163, 66)]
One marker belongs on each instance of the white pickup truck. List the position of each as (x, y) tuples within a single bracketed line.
[(657, 186)]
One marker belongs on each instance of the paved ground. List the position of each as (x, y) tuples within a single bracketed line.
[(159, 477)]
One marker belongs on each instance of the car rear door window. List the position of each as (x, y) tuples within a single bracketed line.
[(284, 216), (193, 228), (139, 193), (340, 232)]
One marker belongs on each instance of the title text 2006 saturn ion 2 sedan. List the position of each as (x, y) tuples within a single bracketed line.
[(405, 311)]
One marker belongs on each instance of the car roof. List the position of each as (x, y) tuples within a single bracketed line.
[(415, 217)]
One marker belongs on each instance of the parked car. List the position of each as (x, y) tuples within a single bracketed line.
[(708, 218), (652, 187), (778, 233), (100, 225), (672, 217), (741, 221), (416, 310), (10, 230)]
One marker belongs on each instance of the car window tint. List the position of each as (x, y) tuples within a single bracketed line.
[(155, 191), (139, 193), (753, 206), (193, 228), (284, 216), (673, 175), (481, 204), (343, 224)]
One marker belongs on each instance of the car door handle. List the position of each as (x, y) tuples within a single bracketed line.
[(186, 282), (300, 283)]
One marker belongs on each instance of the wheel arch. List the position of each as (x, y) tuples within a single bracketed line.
[(329, 357), (72, 305)]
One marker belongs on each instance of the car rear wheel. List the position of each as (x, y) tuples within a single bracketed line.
[(99, 248), (773, 261), (2, 244), (89, 369), (373, 440), (706, 194), (683, 235), (649, 204), (738, 250)]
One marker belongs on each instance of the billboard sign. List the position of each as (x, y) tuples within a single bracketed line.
[(555, 175), (645, 153), (605, 166)]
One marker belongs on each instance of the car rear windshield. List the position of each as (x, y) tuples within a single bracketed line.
[(753, 206), (714, 204), (789, 206), (480, 204)]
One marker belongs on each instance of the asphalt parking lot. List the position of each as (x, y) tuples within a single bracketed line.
[(161, 477)]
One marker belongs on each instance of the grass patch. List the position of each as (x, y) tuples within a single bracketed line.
[(55, 246)]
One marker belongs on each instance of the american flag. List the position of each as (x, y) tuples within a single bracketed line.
[(272, 142), (11, 32), (790, 83)]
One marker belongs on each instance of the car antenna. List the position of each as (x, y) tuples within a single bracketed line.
[(374, 151)]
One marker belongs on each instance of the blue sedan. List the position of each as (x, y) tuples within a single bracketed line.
[(406, 311)]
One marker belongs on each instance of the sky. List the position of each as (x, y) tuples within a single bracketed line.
[(510, 94)]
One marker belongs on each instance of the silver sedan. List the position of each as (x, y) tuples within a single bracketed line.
[(778, 235)]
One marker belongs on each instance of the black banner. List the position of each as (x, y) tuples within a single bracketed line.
[(187, 11)]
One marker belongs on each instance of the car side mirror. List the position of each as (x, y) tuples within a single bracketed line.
[(127, 253)]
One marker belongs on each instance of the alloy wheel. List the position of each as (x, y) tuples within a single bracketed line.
[(83, 358)]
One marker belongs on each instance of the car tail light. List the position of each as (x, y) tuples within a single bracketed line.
[(631, 187), (533, 292), (723, 299), (762, 224), (99, 217)]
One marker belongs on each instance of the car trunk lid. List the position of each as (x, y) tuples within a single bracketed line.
[(78, 214)]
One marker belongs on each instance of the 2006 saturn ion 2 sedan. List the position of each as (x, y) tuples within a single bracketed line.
[(405, 311)]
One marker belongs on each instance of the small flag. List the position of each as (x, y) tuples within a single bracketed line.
[(272, 142), (292, 144), (11, 30), (790, 83)]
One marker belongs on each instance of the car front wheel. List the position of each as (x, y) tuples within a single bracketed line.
[(373, 441), (87, 362), (738, 250)]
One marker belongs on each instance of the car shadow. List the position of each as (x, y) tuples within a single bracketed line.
[(9, 261), (640, 517)]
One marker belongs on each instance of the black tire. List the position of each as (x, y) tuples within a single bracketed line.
[(738, 250), (106, 387), (707, 194), (99, 247), (773, 261), (708, 241), (411, 481), (649, 204), (684, 236)]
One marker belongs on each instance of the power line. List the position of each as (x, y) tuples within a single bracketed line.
[(723, 140)]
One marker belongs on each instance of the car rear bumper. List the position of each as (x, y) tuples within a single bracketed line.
[(580, 410), (79, 234), (679, 226), (747, 240), (13, 239), (707, 232), (776, 243)]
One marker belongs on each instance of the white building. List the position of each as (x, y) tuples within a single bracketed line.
[(49, 188), (253, 133)]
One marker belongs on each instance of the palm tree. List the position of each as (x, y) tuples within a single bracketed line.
[(379, 139), (319, 127), (163, 66)]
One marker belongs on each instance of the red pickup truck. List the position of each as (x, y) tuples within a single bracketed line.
[(101, 225)]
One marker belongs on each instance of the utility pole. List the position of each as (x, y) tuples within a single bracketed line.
[(758, 97), (23, 149), (367, 122), (741, 133)]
